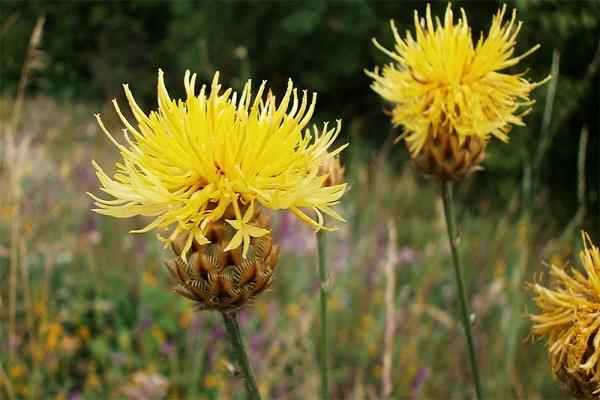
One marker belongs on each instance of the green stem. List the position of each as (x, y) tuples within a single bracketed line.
[(233, 330), (451, 225), (323, 346)]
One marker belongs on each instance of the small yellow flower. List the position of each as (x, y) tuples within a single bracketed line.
[(569, 319), (244, 230), (16, 372), (440, 81), (84, 333), (53, 334), (192, 160), (212, 381)]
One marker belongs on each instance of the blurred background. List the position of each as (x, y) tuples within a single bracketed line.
[(85, 307)]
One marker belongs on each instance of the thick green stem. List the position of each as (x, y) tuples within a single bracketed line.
[(233, 330), (323, 346), (451, 225)]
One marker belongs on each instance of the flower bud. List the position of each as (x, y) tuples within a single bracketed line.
[(224, 280)]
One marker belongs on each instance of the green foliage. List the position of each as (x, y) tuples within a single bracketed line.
[(94, 47)]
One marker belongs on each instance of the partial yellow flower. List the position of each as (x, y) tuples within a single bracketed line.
[(441, 82), (192, 160), (569, 318), (244, 230)]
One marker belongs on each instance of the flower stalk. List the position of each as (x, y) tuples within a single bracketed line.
[(451, 225), (321, 243), (235, 338)]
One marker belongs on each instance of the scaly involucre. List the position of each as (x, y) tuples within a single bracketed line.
[(569, 319), (191, 160), (441, 80)]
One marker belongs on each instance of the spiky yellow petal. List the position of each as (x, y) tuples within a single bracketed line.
[(190, 160), (569, 318), (440, 79)]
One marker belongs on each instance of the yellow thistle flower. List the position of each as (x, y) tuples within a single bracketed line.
[(442, 82), (191, 160), (569, 319)]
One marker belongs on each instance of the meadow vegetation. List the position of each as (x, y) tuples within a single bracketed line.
[(85, 307)]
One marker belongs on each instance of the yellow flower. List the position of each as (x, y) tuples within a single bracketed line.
[(84, 333), (569, 319), (53, 333), (212, 381), (441, 81), (244, 231), (16, 372), (190, 161)]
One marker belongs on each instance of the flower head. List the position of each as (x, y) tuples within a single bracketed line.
[(569, 319), (443, 83), (193, 160)]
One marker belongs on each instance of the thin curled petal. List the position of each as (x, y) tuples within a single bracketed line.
[(569, 318)]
